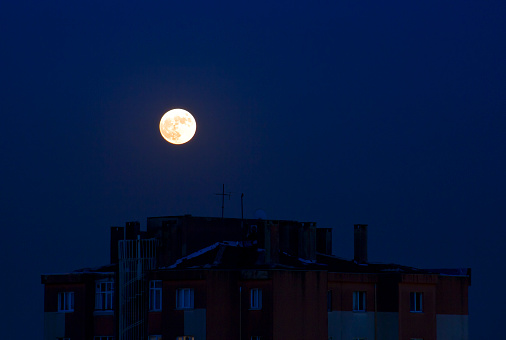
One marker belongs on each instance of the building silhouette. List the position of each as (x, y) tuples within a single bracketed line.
[(193, 278)]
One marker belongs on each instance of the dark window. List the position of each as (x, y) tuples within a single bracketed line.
[(256, 298), (155, 295), (359, 301), (184, 298), (416, 302), (66, 302), (104, 295)]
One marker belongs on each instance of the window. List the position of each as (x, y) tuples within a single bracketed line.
[(66, 302), (359, 301), (155, 295), (155, 337), (103, 338), (416, 302), (103, 295), (184, 298), (329, 301), (185, 337), (255, 298)]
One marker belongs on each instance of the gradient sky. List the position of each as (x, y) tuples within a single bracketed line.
[(388, 113)]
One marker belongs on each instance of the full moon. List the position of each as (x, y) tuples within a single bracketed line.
[(177, 126)]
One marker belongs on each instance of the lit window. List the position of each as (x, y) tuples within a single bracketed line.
[(104, 295), (66, 302), (329, 301), (359, 301), (256, 298), (415, 302), (185, 337), (184, 298), (155, 337), (155, 295)]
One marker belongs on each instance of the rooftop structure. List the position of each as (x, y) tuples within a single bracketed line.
[(192, 278)]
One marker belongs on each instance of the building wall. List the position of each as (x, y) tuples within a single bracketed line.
[(256, 322), (195, 323), (77, 324), (342, 295), (84, 322), (299, 305), (387, 326), (452, 295), (154, 323), (350, 325), (452, 308), (222, 317), (176, 322), (418, 324), (452, 327), (54, 325), (103, 323), (343, 322)]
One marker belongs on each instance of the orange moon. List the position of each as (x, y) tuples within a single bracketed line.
[(177, 126)]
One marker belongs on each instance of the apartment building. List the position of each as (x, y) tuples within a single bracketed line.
[(192, 278)]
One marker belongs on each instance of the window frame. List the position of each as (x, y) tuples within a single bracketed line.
[(155, 295), (182, 294), (359, 301), (106, 295), (255, 298), (67, 303), (416, 302)]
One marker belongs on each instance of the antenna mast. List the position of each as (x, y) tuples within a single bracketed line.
[(223, 194)]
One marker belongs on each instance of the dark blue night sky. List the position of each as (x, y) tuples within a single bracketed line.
[(388, 113)]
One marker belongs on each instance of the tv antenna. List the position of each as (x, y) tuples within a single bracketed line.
[(223, 194)]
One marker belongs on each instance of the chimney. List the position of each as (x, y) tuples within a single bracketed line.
[(360, 231), (324, 240)]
